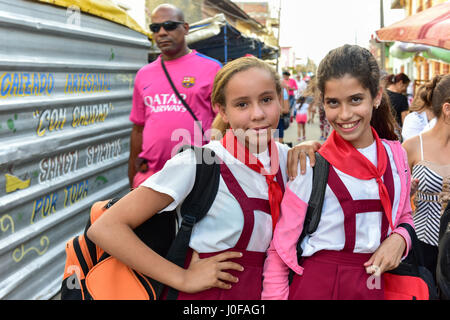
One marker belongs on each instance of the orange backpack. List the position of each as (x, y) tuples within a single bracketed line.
[(92, 274), (87, 264)]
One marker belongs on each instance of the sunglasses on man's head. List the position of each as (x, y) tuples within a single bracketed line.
[(167, 25)]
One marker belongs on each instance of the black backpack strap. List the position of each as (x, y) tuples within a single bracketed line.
[(195, 206), (443, 260), (445, 220), (180, 97), (314, 211), (315, 203), (415, 255), (91, 246)]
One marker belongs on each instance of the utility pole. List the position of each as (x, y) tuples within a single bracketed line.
[(382, 45), (279, 31)]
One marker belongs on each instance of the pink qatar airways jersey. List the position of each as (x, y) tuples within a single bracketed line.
[(167, 124)]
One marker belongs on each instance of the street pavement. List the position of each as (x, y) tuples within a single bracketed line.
[(312, 131)]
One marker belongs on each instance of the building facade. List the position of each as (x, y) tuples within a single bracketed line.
[(419, 67)]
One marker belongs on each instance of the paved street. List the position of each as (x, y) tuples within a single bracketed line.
[(312, 131)]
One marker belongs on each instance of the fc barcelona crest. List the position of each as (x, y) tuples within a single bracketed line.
[(188, 82)]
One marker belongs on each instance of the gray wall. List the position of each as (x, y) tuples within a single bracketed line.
[(66, 83)]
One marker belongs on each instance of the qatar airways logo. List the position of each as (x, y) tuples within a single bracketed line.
[(165, 102)]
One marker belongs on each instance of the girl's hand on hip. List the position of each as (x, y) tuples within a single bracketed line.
[(207, 273)]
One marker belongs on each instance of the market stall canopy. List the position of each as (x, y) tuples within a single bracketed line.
[(405, 50), (430, 27), (216, 38), (105, 9)]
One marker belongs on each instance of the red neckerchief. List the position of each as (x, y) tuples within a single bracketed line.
[(240, 152), (344, 156)]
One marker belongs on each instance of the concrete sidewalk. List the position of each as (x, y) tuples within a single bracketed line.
[(312, 132)]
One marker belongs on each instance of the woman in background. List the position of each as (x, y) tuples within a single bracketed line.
[(396, 89), (429, 160)]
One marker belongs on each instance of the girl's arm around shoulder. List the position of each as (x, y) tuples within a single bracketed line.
[(301, 185), (298, 155)]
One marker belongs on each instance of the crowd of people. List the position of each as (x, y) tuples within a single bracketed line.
[(381, 154), (304, 102)]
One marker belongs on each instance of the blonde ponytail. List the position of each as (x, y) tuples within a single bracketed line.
[(219, 128)]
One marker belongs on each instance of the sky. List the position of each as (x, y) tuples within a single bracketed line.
[(314, 27)]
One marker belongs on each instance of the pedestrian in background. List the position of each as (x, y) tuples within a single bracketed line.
[(301, 107), (396, 89), (316, 105), (279, 136), (429, 160), (157, 112), (420, 117), (310, 93), (301, 85), (291, 87)]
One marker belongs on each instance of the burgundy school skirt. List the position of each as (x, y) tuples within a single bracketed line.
[(336, 275), (249, 286)]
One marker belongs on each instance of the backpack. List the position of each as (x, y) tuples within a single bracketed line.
[(315, 203), (90, 273), (410, 280)]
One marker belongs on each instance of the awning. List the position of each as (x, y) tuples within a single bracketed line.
[(404, 50), (105, 9), (216, 38), (430, 27)]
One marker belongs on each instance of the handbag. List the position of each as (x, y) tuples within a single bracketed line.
[(286, 118), (410, 280)]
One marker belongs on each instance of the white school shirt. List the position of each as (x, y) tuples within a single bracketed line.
[(330, 234), (221, 228)]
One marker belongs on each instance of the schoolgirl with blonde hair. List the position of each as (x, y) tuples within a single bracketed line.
[(228, 246)]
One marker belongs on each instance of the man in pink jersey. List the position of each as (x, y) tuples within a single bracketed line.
[(161, 122)]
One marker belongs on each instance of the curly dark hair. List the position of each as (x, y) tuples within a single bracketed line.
[(394, 78), (436, 92)]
